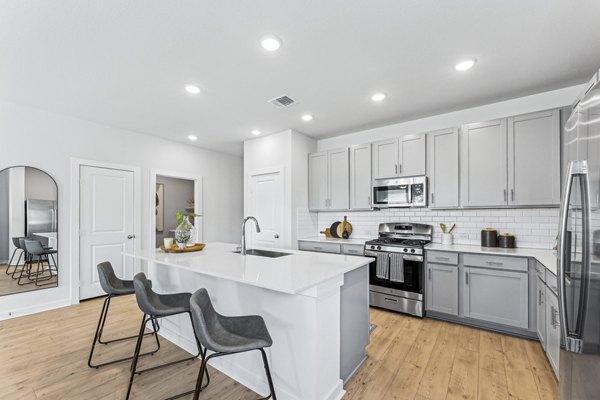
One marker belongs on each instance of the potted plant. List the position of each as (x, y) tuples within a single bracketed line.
[(186, 232)]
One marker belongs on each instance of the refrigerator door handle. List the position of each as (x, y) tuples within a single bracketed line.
[(573, 339)]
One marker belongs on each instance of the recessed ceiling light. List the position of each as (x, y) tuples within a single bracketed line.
[(307, 117), (378, 97), (270, 43), (465, 64), (256, 132), (192, 137), (193, 89)]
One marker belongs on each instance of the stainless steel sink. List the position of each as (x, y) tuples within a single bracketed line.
[(263, 253)]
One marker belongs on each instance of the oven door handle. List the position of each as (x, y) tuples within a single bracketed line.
[(413, 258)]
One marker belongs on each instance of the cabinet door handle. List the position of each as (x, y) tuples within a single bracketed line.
[(539, 297), (396, 169), (495, 263), (432, 198), (466, 277), (369, 201), (556, 318), (505, 195), (429, 273), (399, 168), (552, 322), (512, 194)]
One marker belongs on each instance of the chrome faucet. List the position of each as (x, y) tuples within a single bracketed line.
[(243, 250)]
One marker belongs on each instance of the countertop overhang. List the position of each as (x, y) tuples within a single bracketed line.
[(292, 274)]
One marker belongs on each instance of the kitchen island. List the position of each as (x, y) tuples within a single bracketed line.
[(315, 305)]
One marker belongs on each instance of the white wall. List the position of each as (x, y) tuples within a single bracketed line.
[(532, 227), (52, 139), (522, 105)]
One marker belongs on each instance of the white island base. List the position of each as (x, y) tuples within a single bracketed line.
[(319, 331)]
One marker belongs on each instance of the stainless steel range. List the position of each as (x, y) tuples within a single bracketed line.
[(396, 277)]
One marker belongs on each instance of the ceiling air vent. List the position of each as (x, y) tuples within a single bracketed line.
[(282, 101)]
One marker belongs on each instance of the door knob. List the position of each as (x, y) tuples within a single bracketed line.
[(130, 236), (276, 236)]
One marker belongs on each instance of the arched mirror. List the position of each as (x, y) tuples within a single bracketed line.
[(28, 230)]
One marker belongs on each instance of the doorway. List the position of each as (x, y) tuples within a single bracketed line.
[(265, 203), (107, 224), (174, 192)]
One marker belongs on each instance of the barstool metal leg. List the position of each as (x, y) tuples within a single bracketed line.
[(11, 260), (136, 355), (100, 329), (269, 378), (17, 265)]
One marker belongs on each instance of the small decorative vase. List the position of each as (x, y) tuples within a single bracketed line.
[(184, 233)]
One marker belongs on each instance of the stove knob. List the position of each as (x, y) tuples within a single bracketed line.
[(373, 247), (406, 250), (412, 250), (378, 247)]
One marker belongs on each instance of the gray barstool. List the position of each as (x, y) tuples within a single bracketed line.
[(227, 335), (34, 248), (155, 306), (115, 287), (16, 243)]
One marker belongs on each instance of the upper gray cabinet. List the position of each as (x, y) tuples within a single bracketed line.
[(443, 168), (329, 180), (405, 156), (360, 177), (412, 153), (511, 161), (484, 170), (385, 159), (534, 159)]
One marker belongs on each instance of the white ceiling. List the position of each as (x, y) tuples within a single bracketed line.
[(125, 62)]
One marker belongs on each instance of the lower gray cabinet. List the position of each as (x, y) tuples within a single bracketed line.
[(552, 330), (442, 288), (540, 298), (496, 296)]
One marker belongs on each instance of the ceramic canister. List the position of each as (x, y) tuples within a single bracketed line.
[(489, 237)]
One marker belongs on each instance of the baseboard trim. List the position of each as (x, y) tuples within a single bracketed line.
[(21, 312)]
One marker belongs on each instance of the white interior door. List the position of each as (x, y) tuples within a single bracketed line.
[(265, 203), (106, 222)]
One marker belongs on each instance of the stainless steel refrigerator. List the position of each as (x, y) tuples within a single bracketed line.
[(40, 217), (579, 251)]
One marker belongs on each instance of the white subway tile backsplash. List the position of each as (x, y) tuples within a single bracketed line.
[(532, 227)]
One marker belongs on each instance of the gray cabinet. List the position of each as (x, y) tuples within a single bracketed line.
[(329, 180), (541, 311), (339, 179), (405, 156), (318, 185), (443, 168), (412, 152), (484, 164), (534, 159), (497, 296), (360, 177), (552, 330), (385, 159), (442, 288)]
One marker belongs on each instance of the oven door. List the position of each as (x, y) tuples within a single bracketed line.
[(412, 278), (392, 195)]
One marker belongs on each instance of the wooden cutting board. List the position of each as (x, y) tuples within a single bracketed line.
[(344, 226)]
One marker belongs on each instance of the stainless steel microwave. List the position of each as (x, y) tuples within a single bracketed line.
[(400, 192)]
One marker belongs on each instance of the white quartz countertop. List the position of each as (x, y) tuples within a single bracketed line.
[(288, 274), (323, 239), (545, 257)]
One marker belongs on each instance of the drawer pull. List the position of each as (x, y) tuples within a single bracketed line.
[(495, 263), (442, 258), (352, 251), (390, 300), (317, 248)]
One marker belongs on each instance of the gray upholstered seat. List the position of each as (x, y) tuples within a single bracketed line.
[(226, 334), (111, 284), (159, 305)]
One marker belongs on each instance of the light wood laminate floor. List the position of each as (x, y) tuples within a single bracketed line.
[(44, 356)]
